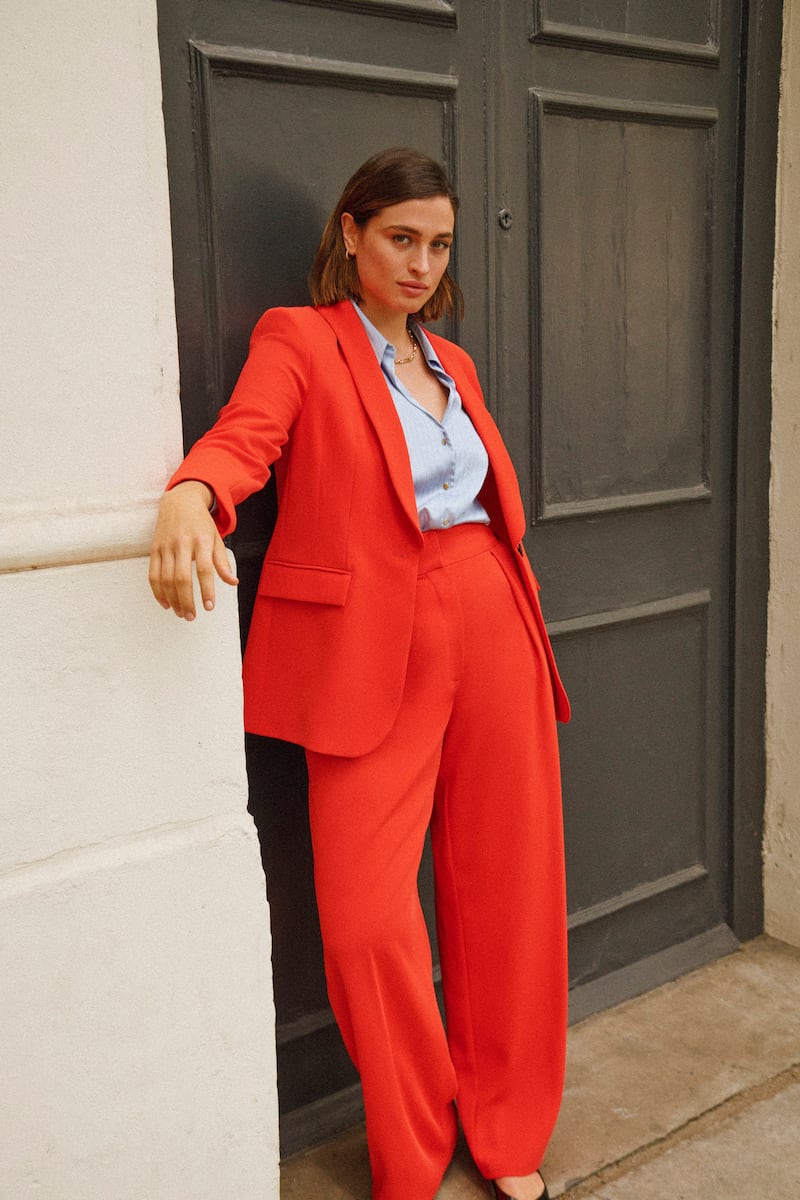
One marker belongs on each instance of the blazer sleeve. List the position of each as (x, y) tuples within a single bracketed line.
[(235, 456)]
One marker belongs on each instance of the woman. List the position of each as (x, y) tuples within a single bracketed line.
[(397, 636)]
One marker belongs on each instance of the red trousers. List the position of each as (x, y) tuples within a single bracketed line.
[(473, 755)]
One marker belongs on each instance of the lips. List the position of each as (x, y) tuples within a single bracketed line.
[(413, 287)]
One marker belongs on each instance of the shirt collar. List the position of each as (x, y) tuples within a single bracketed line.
[(380, 344)]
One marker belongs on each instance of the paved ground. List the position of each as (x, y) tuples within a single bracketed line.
[(691, 1092)]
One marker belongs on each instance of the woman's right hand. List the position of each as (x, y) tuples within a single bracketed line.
[(185, 533)]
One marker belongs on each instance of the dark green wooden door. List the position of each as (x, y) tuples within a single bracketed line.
[(594, 145)]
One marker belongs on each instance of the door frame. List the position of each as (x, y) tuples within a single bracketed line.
[(762, 33)]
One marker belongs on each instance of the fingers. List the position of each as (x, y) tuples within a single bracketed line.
[(171, 578), (205, 578), (207, 565), (221, 563), (157, 576), (186, 536)]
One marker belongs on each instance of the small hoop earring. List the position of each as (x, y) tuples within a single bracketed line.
[(347, 254)]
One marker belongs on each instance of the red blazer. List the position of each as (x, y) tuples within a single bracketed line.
[(326, 655)]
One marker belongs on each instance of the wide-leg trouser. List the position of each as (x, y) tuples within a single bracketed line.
[(474, 755)]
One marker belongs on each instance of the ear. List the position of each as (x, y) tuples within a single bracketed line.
[(349, 233)]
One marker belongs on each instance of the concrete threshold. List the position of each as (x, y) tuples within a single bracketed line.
[(690, 1092)]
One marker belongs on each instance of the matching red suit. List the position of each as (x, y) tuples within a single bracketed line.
[(416, 671)]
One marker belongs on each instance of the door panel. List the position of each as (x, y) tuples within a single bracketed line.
[(594, 148), (624, 225), (633, 26), (269, 123)]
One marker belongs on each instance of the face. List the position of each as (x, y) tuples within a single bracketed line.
[(401, 255)]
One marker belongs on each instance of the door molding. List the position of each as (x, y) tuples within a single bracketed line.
[(543, 28)]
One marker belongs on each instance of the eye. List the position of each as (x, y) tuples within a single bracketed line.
[(401, 239), (438, 245)]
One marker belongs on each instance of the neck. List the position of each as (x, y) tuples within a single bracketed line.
[(392, 325)]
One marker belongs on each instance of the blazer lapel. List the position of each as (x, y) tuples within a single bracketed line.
[(500, 494), (376, 398), (501, 489)]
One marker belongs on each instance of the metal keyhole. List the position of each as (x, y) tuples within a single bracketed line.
[(505, 218)]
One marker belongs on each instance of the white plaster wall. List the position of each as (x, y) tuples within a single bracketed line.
[(86, 297), (782, 840), (138, 1028)]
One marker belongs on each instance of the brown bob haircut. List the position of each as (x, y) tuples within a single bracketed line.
[(389, 177)]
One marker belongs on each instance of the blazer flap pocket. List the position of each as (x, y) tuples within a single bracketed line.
[(292, 581)]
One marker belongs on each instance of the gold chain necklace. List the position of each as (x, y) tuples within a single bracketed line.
[(401, 362)]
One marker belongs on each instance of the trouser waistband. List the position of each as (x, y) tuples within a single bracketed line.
[(442, 547)]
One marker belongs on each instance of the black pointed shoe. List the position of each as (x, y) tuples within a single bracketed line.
[(501, 1195)]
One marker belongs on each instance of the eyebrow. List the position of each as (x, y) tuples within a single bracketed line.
[(448, 233)]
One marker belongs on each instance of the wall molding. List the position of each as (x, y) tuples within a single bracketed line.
[(36, 537), (125, 851)]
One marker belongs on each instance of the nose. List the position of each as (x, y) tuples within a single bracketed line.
[(419, 260)]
